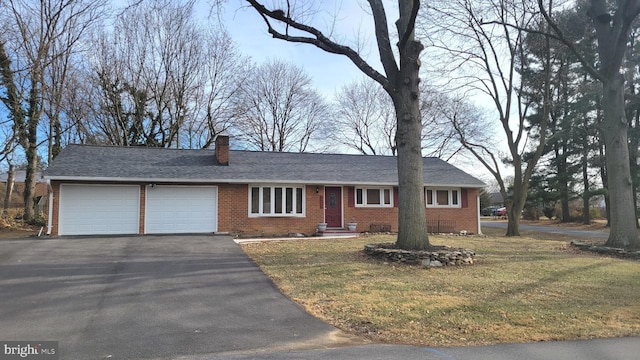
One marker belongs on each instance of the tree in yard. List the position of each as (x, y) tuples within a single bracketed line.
[(556, 178), (148, 71), (366, 118), (36, 37), (367, 122), (571, 152), (278, 109), (484, 56), (400, 81), (224, 73), (159, 78), (612, 30), (632, 100)]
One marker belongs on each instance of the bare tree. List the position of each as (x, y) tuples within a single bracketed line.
[(400, 80), (612, 25), (37, 36), (366, 118), (161, 79), (485, 56), (367, 123), (224, 72), (279, 110), (439, 136), (148, 70)]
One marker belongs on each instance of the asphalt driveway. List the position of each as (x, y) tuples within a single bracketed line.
[(551, 229), (148, 297)]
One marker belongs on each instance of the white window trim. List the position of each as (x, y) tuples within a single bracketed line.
[(364, 196), (272, 207), (434, 197)]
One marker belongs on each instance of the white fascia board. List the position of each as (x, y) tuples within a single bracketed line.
[(129, 180), (212, 180), (455, 186)]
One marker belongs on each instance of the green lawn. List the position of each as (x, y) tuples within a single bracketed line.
[(519, 289)]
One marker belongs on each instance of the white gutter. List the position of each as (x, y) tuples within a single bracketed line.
[(50, 216), (478, 213)]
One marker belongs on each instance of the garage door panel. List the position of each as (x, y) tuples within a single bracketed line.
[(181, 209), (99, 209)]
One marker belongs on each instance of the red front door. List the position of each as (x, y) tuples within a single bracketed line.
[(333, 206)]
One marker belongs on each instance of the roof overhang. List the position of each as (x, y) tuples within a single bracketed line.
[(236, 181)]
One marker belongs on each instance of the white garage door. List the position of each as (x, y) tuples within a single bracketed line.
[(99, 209), (181, 209)]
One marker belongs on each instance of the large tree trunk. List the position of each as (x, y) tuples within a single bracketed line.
[(9, 189), (412, 222), (515, 204), (412, 226), (30, 184), (614, 130), (586, 216), (513, 224)]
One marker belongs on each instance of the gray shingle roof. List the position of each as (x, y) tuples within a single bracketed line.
[(105, 163)]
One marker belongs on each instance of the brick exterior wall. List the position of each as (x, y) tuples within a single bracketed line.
[(233, 212), (222, 149)]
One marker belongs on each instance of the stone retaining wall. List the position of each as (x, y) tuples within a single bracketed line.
[(440, 256)]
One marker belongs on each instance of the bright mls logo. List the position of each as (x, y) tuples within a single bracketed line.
[(28, 350)]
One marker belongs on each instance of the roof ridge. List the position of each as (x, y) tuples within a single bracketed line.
[(324, 153), (244, 150), (132, 147)]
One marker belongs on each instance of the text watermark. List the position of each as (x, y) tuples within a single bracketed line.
[(46, 350)]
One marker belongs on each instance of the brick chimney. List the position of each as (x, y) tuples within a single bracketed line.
[(222, 149)]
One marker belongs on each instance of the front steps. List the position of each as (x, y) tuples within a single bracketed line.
[(338, 233)]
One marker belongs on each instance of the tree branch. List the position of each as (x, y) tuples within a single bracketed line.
[(382, 37), (317, 39), (560, 35), (412, 21)]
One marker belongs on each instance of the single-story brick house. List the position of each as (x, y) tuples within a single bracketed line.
[(139, 190)]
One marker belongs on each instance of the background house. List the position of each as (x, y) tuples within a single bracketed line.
[(17, 196)]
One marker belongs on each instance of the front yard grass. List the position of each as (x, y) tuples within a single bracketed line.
[(518, 290)]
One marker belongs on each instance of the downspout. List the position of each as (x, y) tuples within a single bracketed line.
[(478, 213), (50, 216)]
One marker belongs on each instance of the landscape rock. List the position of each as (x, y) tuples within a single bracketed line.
[(436, 263), (438, 256)]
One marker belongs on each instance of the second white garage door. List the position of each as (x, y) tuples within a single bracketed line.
[(181, 209)]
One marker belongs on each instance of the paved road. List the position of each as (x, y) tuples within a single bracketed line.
[(148, 297), (600, 349), (550, 229), (195, 298)]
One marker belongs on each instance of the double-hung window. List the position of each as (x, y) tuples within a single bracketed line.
[(442, 197), (374, 197), (276, 200)]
